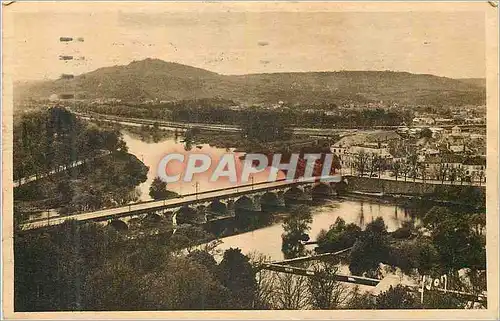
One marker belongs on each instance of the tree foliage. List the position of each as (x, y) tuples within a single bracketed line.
[(158, 190), (339, 237), (237, 274), (370, 249), (295, 227)]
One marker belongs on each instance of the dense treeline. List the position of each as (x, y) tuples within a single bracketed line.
[(49, 138), (435, 247), (448, 241), (104, 182), (90, 267), (219, 111)]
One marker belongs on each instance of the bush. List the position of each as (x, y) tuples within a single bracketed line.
[(340, 236)]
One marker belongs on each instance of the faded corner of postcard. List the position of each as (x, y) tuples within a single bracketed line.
[(214, 160)]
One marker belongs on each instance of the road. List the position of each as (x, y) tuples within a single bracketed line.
[(386, 176), (143, 207), (32, 178)]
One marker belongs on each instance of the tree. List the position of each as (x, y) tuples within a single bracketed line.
[(375, 164), (186, 286), (290, 292), (456, 240), (371, 248), (339, 237), (452, 174), (158, 190), (396, 169), (480, 175), (203, 258), (422, 169), (236, 273), (398, 297), (188, 238), (264, 125), (461, 174), (296, 226), (443, 171), (325, 292), (361, 301), (266, 282), (413, 164), (405, 169), (361, 162), (426, 133)]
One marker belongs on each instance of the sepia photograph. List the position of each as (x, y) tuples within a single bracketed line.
[(298, 160)]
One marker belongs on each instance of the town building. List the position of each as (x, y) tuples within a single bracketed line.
[(456, 131), (475, 167)]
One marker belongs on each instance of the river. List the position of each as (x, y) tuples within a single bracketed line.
[(265, 240)]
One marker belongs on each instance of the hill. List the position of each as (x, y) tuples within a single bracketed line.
[(479, 82), (154, 78)]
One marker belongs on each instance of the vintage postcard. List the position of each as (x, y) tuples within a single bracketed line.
[(250, 160)]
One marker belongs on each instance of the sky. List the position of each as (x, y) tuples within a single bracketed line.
[(450, 44)]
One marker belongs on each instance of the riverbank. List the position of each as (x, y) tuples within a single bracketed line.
[(465, 195), (226, 140)]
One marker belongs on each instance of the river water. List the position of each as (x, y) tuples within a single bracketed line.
[(265, 240)]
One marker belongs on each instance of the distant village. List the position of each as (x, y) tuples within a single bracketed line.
[(453, 156)]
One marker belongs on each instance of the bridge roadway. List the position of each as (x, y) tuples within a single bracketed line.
[(144, 207)]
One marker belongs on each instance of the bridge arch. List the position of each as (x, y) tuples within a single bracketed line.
[(217, 207), (341, 187), (269, 198), (244, 203), (152, 218), (322, 190), (186, 214), (293, 193), (118, 225), (134, 222)]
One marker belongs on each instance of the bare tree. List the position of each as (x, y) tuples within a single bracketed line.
[(405, 169), (266, 282), (324, 291), (422, 169), (480, 175), (452, 174), (375, 164), (461, 174), (396, 169), (443, 171), (290, 292), (361, 162)]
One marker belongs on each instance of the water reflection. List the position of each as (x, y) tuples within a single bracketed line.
[(267, 240), (361, 215), (150, 153)]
